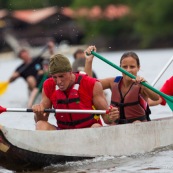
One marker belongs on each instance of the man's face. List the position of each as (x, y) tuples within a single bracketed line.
[(24, 55), (62, 80)]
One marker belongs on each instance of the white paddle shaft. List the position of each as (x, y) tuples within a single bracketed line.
[(163, 70), (59, 111)]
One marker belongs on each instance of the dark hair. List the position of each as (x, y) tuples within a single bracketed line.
[(130, 54), (77, 51)]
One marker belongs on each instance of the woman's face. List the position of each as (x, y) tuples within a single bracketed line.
[(130, 65)]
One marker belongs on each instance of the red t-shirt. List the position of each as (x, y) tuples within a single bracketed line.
[(167, 88)]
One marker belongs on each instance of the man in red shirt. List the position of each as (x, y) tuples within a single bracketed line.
[(68, 90)]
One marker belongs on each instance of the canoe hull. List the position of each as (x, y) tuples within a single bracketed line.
[(42, 148), (18, 159)]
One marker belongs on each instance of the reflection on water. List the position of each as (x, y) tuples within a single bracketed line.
[(152, 62)]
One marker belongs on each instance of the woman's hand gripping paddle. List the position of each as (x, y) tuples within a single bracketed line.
[(169, 99)]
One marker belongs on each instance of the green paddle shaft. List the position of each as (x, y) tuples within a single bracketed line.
[(168, 99)]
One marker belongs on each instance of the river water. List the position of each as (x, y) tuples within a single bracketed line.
[(152, 62)]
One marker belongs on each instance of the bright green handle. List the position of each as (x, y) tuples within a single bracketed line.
[(168, 99)]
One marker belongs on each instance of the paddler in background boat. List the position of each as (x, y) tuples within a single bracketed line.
[(167, 88), (42, 75), (127, 94), (75, 91), (79, 62), (29, 68)]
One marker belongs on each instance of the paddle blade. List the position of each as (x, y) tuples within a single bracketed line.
[(3, 87), (2, 109)]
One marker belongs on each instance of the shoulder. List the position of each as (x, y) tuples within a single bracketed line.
[(107, 82), (170, 79), (20, 66), (87, 83), (168, 82), (49, 87), (38, 59), (49, 82), (167, 87), (88, 79)]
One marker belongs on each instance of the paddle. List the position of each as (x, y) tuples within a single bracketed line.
[(163, 70), (4, 85), (168, 99), (2, 109)]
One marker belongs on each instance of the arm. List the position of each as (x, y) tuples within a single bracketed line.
[(146, 91), (106, 83), (100, 102), (154, 103), (89, 59), (38, 109), (14, 76), (150, 94)]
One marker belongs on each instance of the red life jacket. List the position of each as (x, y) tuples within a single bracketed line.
[(72, 101), (132, 105)]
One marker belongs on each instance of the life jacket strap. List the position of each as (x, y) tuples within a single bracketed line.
[(74, 123), (124, 104), (66, 101)]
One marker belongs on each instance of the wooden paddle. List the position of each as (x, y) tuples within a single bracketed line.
[(4, 85), (169, 99), (2, 109)]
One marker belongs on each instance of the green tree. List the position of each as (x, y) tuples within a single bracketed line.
[(152, 21), (106, 29), (32, 4)]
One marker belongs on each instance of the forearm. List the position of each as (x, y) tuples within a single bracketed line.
[(13, 77), (38, 109), (154, 103), (88, 67), (151, 94)]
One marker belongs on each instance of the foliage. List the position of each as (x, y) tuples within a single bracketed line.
[(153, 20), (103, 27), (150, 21), (31, 4)]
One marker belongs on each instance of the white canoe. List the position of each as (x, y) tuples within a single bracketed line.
[(68, 145)]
